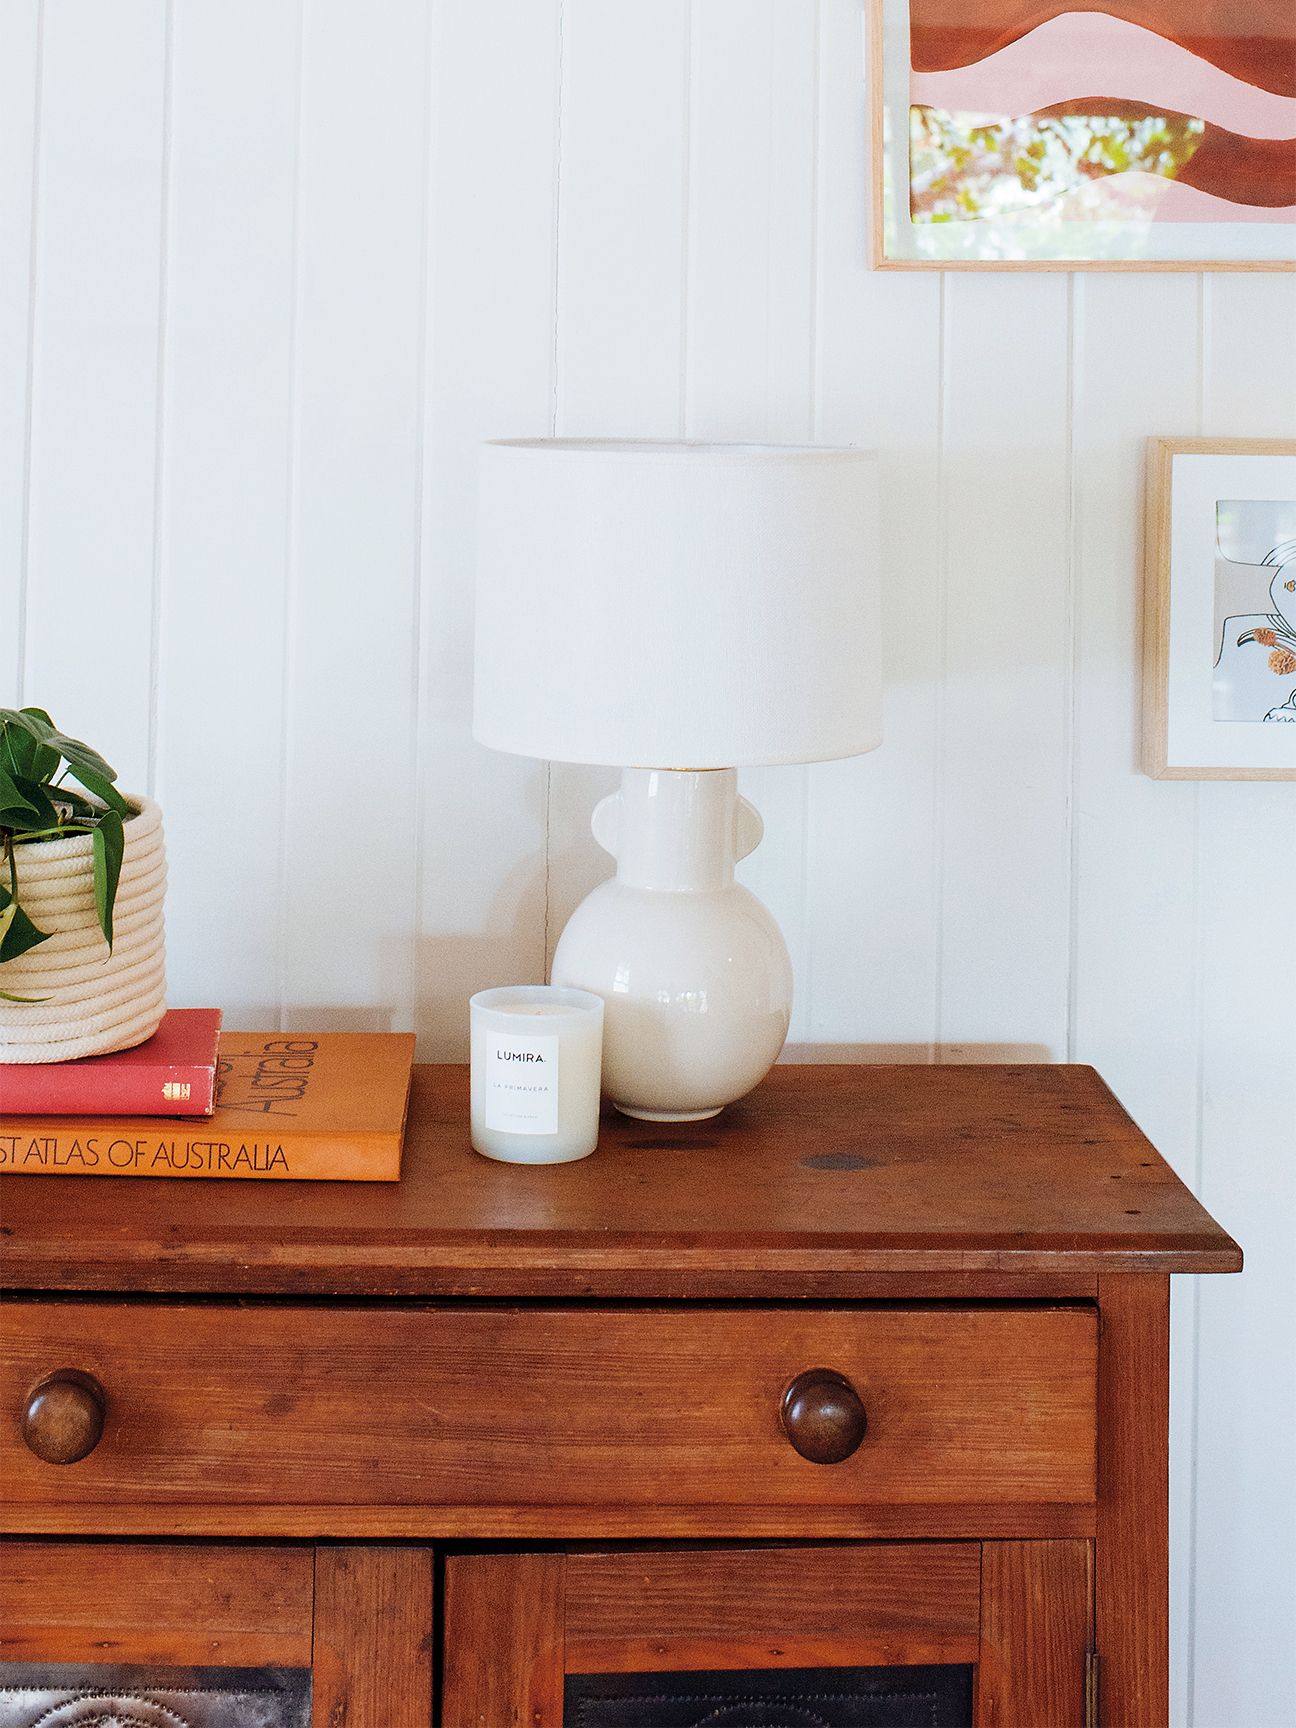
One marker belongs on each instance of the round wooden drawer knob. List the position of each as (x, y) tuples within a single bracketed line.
[(823, 1416), (64, 1417)]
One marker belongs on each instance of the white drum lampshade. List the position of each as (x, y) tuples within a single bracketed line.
[(682, 609)]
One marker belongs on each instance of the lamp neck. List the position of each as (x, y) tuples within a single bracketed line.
[(677, 829)]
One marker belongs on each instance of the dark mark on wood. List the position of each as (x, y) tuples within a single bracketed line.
[(839, 1161)]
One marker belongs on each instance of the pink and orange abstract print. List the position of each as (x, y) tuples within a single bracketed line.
[(1133, 110)]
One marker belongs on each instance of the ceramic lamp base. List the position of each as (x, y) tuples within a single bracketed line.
[(693, 970)]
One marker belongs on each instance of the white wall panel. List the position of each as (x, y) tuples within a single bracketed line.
[(349, 884), (95, 375), (872, 909), (1245, 1668), (1003, 764), (622, 217), (751, 214), (1246, 1510), (19, 102), (490, 374), (227, 448), (1134, 997), (1250, 387)]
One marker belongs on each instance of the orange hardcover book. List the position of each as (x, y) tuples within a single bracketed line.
[(328, 1107)]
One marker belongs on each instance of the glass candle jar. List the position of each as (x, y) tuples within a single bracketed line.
[(537, 1053)]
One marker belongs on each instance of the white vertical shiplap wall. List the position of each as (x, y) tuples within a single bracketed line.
[(1246, 865), (270, 269), (228, 461)]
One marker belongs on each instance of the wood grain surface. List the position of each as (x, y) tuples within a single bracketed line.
[(1036, 1627), (523, 1524), (1132, 1565), (972, 1178), (795, 1607), (236, 1607), (497, 1406), (503, 1641), (531, 1523), (374, 1638)]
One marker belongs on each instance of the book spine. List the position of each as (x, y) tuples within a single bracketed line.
[(42, 1089), (133, 1149)]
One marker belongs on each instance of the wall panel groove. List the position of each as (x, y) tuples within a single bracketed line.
[(157, 605), (22, 60), (1075, 409)]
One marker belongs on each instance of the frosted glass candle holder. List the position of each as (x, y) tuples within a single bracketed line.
[(537, 1057)]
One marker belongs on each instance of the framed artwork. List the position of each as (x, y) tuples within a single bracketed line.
[(1083, 134), (1219, 609)]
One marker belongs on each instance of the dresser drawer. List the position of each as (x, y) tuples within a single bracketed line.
[(482, 1406)]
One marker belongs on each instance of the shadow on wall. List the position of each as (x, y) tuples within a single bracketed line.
[(577, 863), (452, 967), (515, 945), (253, 1018), (931, 1053)]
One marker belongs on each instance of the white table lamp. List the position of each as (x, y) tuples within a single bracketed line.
[(679, 610)]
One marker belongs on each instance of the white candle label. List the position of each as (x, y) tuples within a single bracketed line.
[(521, 1084)]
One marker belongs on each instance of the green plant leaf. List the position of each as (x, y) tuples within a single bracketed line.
[(16, 810), (109, 843), (77, 755), (42, 761), (23, 754), (34, 721), (80, 756), (20, 933), (18, 755), (102, 789), (38, 799), (46, 764), (5, 996)]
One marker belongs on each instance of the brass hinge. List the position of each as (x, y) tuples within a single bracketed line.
[(1091, 1689)]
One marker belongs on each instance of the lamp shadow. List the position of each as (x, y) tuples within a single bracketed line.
[(929, 1053)]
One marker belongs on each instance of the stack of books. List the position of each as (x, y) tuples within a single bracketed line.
[(195, 1101)]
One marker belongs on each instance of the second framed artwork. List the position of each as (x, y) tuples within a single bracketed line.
[(1219, 609), (1064, 134)]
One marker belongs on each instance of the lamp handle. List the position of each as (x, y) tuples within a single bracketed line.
[(750, 827), (605, 825)]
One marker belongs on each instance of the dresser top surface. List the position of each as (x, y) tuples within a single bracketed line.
[(827, 1181)]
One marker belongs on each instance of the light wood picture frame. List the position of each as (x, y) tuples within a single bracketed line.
[(1120, 138), (1219, 609)]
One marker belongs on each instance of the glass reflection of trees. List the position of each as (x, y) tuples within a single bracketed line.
[(965, 166)]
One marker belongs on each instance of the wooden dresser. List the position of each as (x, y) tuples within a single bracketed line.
[(447, 1441)]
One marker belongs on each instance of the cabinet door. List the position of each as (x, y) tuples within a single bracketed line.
[(359, 1619), (1016, 1614)]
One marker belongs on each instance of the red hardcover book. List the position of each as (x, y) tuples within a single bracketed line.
[(173, 1073)]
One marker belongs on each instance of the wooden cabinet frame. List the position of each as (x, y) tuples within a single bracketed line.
[(831, 1189), (360, 1617), (517, 1624)]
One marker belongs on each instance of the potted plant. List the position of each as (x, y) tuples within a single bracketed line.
[(82, 878)]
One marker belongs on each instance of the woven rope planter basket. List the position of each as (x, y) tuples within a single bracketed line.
[(96, 1001)]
